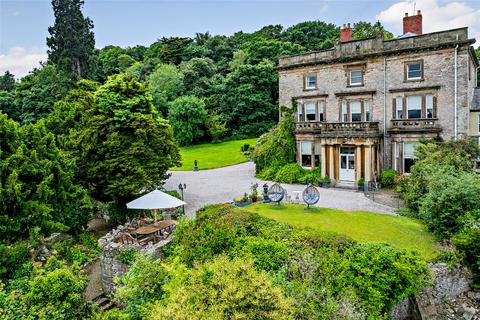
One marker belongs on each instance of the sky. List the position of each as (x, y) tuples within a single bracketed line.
[(24, 23)]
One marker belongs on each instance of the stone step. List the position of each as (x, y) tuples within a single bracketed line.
[(345, 184)]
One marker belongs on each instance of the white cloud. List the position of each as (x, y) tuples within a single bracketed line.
[(436, 16), (21, 61), (324, 8)]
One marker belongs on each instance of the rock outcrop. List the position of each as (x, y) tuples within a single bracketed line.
[(450, 297)]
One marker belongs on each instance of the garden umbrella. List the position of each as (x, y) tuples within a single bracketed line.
[(156, 200)]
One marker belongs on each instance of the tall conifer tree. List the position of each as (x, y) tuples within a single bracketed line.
[(71, 40)]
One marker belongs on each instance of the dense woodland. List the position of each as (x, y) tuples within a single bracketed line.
[(92, 129)]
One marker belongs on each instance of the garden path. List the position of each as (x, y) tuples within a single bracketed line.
[(223, 184)]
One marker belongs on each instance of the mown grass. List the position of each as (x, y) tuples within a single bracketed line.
[(361, 226), (213, 155)]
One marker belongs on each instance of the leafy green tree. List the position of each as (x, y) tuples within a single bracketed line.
[(269, 32), (125, 148), (223, 289), (7, 81), (165, 85), (198, 74), (108, 62), (313, 35), (37, 188), (8, 105), (258, 50), (188, 118), (362, 30), (71, 42), (248, 99), (36, 94)]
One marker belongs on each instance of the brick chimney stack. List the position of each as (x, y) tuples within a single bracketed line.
[(346, 33), (413, 24)]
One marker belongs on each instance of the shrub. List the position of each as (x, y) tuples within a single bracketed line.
[(269, 173), (467, 241), (449, 197), (128, 256), (12, 256), (387, 178), (142, 285), (58, 291), (290, 173), (267, 254), (223, 289), (311, 176)]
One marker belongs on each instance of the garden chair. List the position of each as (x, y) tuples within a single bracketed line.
[(311, 195), (276, 193)]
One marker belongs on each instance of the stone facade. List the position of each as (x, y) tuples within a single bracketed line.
[(366, 115)]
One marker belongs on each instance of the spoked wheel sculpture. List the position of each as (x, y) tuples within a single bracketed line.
[(276, 193), (311, 195)]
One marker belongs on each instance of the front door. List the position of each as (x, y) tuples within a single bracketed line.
[(347, 163)]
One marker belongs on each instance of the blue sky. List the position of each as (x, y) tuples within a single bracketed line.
[(23, 24)]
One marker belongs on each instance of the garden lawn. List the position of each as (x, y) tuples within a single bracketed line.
[(361, 226), (213, 155)]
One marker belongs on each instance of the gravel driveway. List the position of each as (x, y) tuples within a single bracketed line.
[(223, 184)]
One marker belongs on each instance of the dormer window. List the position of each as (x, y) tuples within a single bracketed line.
[(414, 70), (311, 82), (356, 78)]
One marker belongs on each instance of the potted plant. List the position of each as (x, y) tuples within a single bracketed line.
[(361, 184), (325, 182), (242, 201), (254, 194)]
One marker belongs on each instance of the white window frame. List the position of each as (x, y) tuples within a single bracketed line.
[(409, 108), (307, 153), (429, 105), (307, 82), (307, 105), (366, 110), (403, 155), (399, 107), (408, 71), (355, 83), (354, 102), (478, 125)]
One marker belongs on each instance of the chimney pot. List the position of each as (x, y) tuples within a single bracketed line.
[(406, 14), (419, 12)]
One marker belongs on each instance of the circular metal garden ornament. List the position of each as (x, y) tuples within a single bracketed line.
[(311, 195), (276, 193)]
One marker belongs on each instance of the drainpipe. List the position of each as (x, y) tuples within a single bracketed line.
[(455, 93), (384, 112)]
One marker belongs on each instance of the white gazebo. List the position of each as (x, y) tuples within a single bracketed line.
[(156, 200)]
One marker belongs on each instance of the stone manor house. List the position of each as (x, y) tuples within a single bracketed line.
[(364, 104)]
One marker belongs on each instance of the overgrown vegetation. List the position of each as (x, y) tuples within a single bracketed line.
[(231, 263), (444, 190)]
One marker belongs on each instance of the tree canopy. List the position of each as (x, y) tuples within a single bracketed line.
[(71, 42)]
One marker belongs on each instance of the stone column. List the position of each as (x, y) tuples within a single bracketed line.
[(368, 163), (331, 169), (358, 162), (323, 159)]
